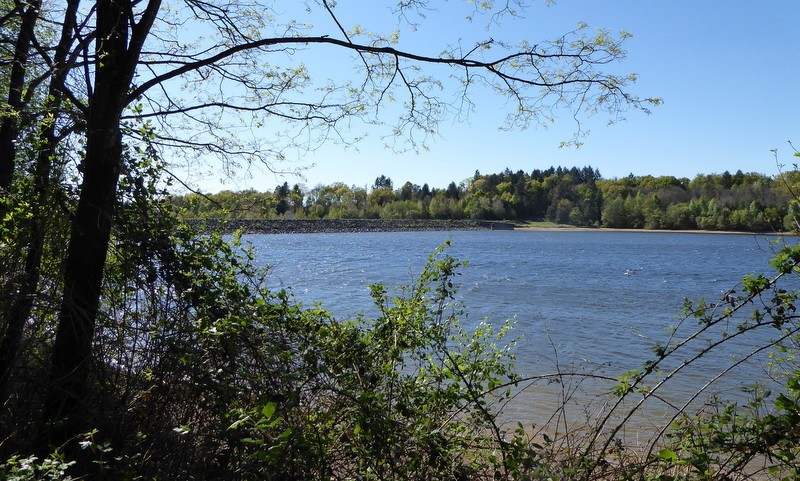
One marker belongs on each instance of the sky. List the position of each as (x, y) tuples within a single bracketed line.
[(727, 72)]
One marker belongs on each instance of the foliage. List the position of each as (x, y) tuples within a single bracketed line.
[(742, 202), (723, 439), (403, 396), (201, 370), (30, 469)]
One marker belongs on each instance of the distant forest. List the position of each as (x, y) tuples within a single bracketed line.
[(574, 196)]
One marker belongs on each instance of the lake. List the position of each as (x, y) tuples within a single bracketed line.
[(589, 301)]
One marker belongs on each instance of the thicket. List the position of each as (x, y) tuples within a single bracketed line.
[(575, 196)]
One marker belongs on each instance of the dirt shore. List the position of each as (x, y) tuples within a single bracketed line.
[(568, 228)]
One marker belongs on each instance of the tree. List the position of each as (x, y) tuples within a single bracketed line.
[(452, 191), (124, 61), (614, 213), (282, 193), (425, 192), (383, 182), (47, 145), (409, 191), (381, 196), (12, 120)]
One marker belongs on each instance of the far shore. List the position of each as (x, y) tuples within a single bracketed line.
[(309, 226), (569, 228)]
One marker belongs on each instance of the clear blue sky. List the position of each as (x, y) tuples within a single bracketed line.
[(726, 70)]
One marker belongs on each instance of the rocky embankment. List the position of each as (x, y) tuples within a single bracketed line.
[(306, 226)]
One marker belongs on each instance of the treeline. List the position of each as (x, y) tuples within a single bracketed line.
[(574, 196)]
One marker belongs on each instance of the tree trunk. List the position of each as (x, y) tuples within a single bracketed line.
[(9, 127), (91, 228), (21, 307), (119, 41), (83, 276)]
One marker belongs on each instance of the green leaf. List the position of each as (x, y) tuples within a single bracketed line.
[(668, 455), (238, 423), (269, 410)]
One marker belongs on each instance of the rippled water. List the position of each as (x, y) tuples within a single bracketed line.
[(589, 300)]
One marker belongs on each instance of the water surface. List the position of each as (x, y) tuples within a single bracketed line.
[(580, 300)]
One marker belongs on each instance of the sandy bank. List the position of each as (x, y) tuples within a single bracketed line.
[(567, 228)]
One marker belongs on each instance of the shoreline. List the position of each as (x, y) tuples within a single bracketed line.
[(568, 228), (331, 226), (324, 226)]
